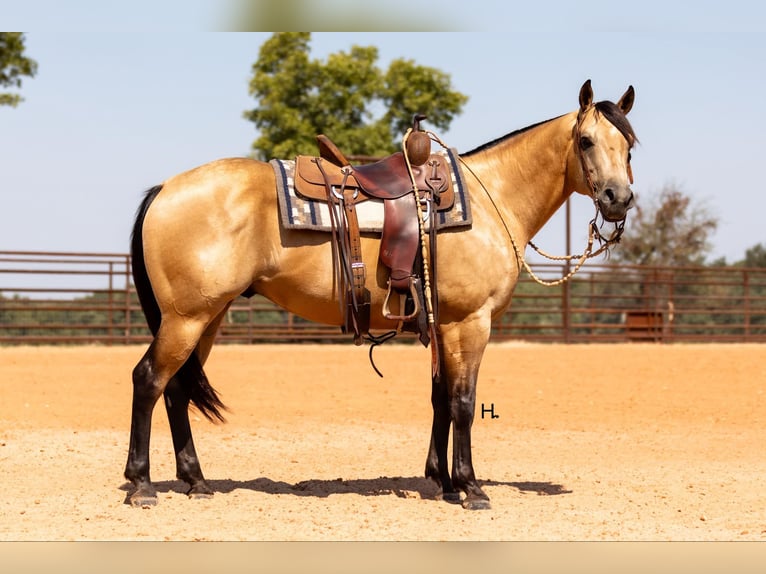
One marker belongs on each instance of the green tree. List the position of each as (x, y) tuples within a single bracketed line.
[(13, 65), (754, 257), (299, 97), (667, 230)]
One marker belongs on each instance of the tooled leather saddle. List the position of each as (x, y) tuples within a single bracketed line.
[(333, 179)]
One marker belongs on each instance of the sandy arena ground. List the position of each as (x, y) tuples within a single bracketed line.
[(598, 442)]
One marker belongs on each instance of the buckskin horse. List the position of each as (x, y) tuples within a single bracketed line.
[(211, 234)]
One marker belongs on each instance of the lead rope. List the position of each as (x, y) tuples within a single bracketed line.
[(593, 233), (424, 256)]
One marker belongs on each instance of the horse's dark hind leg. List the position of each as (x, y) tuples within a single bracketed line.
[(187, 464), (437, 463), (172, 345), (145, 395), (177, 401)]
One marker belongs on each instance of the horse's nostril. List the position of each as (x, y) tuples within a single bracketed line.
[(609, 194)]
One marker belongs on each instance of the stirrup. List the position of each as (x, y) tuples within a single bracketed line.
[(404, 318)]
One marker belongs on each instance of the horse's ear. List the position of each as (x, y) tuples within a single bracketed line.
[(586, 95), (626, 101)]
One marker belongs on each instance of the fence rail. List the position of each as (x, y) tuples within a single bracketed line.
[(53, 297)]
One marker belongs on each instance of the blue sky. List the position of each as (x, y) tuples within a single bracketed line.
[(125, 99)]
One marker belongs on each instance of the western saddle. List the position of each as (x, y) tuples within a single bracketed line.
[(409, 228)]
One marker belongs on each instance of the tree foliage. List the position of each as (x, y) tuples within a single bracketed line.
[(13, 65), (667, 230), (755, 256), (362, 108)]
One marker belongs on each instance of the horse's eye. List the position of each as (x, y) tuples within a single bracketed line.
[(585, 143), (629, 157)]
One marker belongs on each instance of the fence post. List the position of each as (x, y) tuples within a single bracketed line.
[(565, 293), (250, 333), (746, 289), (110, 306), (671, 306), (566, 307), (127, 298)]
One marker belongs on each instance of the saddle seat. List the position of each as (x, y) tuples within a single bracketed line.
[(385, 179)]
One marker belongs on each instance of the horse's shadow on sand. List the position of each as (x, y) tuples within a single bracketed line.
[(403, 487)]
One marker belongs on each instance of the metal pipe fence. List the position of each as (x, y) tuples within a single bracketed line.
[(70, 298)]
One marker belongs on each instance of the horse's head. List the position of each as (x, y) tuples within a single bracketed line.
[(603, 139)]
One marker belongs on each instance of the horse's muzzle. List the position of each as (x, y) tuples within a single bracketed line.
[(614, 202)]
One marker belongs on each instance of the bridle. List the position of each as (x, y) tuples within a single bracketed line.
[(579, 151)]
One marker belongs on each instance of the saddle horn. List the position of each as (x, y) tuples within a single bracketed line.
[(418, 145)]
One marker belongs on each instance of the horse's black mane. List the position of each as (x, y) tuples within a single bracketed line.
[(496, 141), (608, 109), (614, 114)]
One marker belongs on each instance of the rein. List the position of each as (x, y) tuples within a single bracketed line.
[(594, 233)]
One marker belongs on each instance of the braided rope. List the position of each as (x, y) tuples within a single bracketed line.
[(421, 228), (593, 233)]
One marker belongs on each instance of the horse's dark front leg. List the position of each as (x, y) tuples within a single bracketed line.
[(463, 404), (437, 463), (145, 395), (187, 464), (453, 400)]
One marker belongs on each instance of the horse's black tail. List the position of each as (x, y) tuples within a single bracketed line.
[(192, 377), (140, 276)]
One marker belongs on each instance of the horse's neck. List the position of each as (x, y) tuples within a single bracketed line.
[(527, 174)]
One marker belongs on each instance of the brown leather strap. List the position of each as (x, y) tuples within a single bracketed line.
[(358, 318), (353, 297), (358, 270)]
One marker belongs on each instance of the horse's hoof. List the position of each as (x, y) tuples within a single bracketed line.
[(200, 495), (142, 500), (200, 491), (476, 504), (451, 497)]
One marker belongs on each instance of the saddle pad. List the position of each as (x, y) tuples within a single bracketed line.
[(299, 213)]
